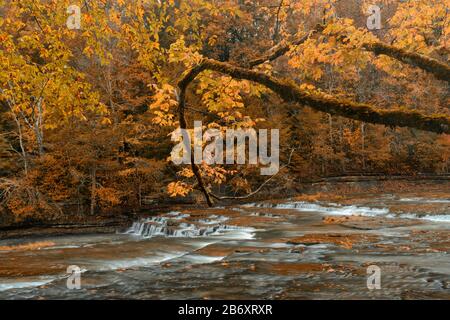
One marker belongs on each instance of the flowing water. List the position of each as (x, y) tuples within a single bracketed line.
[(268, 250)]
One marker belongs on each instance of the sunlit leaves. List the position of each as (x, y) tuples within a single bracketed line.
[(422, 25), (178, 188), (164, 102), (181, 53)]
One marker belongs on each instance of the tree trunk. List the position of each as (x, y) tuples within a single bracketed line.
[(39, 130), (22, 147), (363, 144), (93, 190)]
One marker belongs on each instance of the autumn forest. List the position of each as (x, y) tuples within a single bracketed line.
[(87, 111)]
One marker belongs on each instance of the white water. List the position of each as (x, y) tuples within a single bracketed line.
[(340, 210), (331, 208), (31, 283), (171, 225), (154, 259), (424, 200), (432, 218)]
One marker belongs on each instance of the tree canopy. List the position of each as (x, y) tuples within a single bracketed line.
[(86, 113)]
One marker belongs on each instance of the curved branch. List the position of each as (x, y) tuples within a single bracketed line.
[(290, 92), (183, 125)]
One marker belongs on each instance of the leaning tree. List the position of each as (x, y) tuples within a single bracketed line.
[(291, 92)]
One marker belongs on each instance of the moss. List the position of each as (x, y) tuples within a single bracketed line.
[(439, 69), (290, 92)]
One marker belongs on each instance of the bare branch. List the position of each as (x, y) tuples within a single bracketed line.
[(259, 188)]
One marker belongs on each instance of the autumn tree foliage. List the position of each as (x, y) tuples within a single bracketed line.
[(86, 114)]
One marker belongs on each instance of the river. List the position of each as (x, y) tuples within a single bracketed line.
[(289, 249)]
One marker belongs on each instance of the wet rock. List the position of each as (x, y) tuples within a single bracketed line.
[(343, 240), (369, 223)]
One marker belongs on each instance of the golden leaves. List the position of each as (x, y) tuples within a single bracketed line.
[(178, 188), (179, 52), (339, 47), (421, 25), (163, 101), (108, 196)]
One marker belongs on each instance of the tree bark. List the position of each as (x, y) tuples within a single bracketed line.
[(183, 125), (22, 147), (93, 189), (38, 128)]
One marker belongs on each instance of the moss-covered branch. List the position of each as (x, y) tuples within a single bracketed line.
[(439, 69), (290, 92)]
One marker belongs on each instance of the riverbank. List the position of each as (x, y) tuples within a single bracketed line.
[(330, 189)]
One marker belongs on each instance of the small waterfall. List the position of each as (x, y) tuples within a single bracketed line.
[(177, 225), (330, 208)]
